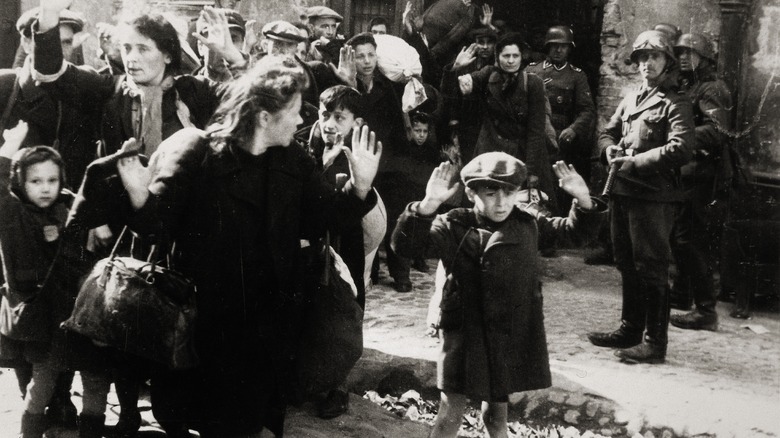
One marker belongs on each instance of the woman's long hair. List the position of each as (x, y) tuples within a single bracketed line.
[(269, 86)]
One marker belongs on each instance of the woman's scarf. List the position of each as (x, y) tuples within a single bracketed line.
[(147, 111)]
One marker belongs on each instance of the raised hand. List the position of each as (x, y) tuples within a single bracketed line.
[(363, 160), (55, 5), (332, 151), (466, 56), (442, 185), (135, 177), (250, 39), (487, 16), (49, 16), (13, 139), (218, 40), (346, 71), (572, 183)]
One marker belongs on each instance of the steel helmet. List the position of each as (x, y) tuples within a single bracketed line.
[(698, 43), (560, 35), (672, 31), (653, 40)]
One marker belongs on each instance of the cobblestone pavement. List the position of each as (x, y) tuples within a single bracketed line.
[(724, 384)]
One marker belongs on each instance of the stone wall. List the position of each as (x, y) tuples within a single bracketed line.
[(758, 124), (623, 21)]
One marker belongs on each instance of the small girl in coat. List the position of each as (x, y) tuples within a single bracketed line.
[(33, 208), (491, 323)]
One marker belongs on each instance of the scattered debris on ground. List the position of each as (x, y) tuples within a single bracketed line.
[(412, 406)]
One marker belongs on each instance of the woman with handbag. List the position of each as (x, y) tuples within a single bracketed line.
[(238, 199), (150, 103)]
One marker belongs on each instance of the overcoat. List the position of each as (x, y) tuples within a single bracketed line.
[(29, 239), (238, 221), (501, 347)]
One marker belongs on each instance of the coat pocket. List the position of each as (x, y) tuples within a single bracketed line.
[(451, 307), (652, 127)]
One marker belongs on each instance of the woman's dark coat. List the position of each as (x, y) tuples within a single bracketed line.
[(87, 89), (238, 233)]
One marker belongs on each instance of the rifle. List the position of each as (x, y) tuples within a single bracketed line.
[(613, 170)]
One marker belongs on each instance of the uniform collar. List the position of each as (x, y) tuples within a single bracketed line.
[(547, 64)]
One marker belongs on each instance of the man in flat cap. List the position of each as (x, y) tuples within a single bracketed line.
[(214, 67), (282, 38), (325, 40), (71, 23)]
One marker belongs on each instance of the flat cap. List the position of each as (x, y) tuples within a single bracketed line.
[(234, 18), (494, 167), (482, 31), (324, 12), (283, 30), (67, 17)]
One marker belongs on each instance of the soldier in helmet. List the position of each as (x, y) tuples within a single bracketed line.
[(701, 179), (649, 138), (573, 111)]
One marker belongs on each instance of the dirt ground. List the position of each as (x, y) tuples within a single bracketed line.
[(724, 383)]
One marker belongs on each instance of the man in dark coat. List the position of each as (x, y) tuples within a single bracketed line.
[(702, 178)]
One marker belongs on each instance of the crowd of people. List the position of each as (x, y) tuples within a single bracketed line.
[(231, 157)]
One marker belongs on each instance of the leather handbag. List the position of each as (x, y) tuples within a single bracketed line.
[(331, 340), (138, 307)]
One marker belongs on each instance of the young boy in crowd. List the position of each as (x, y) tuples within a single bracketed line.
[(340, 115), (491, 321)]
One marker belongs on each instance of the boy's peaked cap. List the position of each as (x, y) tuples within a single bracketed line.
[(494, 167)]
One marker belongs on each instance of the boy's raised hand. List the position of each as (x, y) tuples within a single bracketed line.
[(13, 139), (442, 185), (219, 40), (363, 160), (572, 183)]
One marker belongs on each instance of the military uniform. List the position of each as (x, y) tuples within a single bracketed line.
[(703, 178), (572, 107)]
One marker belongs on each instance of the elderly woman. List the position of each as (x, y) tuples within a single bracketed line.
[(237, 199), (513, 106), (648, 138)]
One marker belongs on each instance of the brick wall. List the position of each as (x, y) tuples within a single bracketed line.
[(623, 21)]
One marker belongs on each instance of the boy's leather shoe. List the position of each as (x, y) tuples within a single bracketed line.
[(696, 321), (643, 353), (620, 338)]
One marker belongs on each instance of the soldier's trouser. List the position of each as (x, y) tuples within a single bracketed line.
[(690, 246), (641, 232)]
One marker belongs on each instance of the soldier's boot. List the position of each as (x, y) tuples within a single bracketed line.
[(653, 349), (33, 425), (704, 317), (680, 299), (632, 322), (91, 426)]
